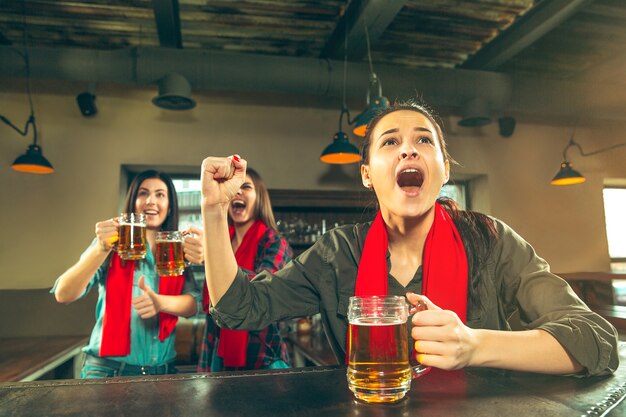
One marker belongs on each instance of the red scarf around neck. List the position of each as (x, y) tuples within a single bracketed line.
[(117, 308), (233, 344), (444, 268)]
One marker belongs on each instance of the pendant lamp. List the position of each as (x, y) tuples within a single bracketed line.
[(340, 151), (33, 161), (372, 105), (567, 175)]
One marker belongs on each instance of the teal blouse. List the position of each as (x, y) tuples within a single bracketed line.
[(145, 347)]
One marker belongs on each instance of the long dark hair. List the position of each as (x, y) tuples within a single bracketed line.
[(478, 231), (171, 221)]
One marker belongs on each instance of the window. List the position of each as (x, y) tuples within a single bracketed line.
[(188, 192), (456, 192), (614, 203)]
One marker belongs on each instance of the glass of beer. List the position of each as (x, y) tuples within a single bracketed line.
[(131, 244), (379, 370), (170, 259)]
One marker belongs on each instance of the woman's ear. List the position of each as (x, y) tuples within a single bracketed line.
[(365, 176)]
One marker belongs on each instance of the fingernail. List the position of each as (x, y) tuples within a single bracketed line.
[(415, 345), (236, 158), (420, 358)]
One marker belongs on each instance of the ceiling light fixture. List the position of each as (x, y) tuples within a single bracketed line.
[(341, 151), (33, 161), (567, 175), (372, 106), (475, 113), (174, 93)]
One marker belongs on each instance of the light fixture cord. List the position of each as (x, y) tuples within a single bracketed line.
[(344, 106), (573, 143), (369, 53), (31, 118), (373, 77)]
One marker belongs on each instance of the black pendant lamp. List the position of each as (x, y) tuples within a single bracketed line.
[(341, 151), (567, 175), (372, 105), (33, 161)]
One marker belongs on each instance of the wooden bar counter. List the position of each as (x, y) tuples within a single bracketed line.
[(319, 391), (29, 358)]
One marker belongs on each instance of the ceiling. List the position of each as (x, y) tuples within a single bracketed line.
[(559, 59)]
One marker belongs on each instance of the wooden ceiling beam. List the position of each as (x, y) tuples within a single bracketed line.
[(376, 14), (167, 17), (540, 20)]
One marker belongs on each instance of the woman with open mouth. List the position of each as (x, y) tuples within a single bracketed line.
[(258, 247), (137, 309), (472, 272)]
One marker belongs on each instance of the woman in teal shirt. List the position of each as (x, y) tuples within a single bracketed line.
[(149, 347)]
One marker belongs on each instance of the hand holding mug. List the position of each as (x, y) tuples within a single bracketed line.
[(107, 233), (441, 338), (192, 247)]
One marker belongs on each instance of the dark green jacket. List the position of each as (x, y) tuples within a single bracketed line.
[(514, 279)]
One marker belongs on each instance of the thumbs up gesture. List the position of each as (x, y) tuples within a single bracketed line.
[(147, 304)]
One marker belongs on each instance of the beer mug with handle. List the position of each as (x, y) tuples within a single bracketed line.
[(170, 258), (131, 243), (379, 370)]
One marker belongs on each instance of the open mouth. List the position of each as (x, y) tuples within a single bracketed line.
[(150, 212), (410, 179), (238, 206)]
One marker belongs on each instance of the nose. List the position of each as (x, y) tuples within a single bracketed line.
[(239, 191), (408, 152)]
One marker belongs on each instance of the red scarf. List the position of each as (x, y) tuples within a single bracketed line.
[(234, 343), (444, 268), (117, 307)]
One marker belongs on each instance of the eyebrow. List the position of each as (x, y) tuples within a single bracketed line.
[(158, 189), (396, 130)]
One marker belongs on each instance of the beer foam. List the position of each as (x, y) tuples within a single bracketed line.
[(132, 224), (377, 321)]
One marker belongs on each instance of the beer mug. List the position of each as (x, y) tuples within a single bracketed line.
[(131, 244), (379, 370), (170, 259)]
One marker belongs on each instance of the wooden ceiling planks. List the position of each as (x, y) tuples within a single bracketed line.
[(424, 33)]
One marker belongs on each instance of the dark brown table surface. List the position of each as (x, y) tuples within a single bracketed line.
[(22, 357), (319, 392)]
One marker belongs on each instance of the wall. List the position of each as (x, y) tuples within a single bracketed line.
[(49, 220)]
